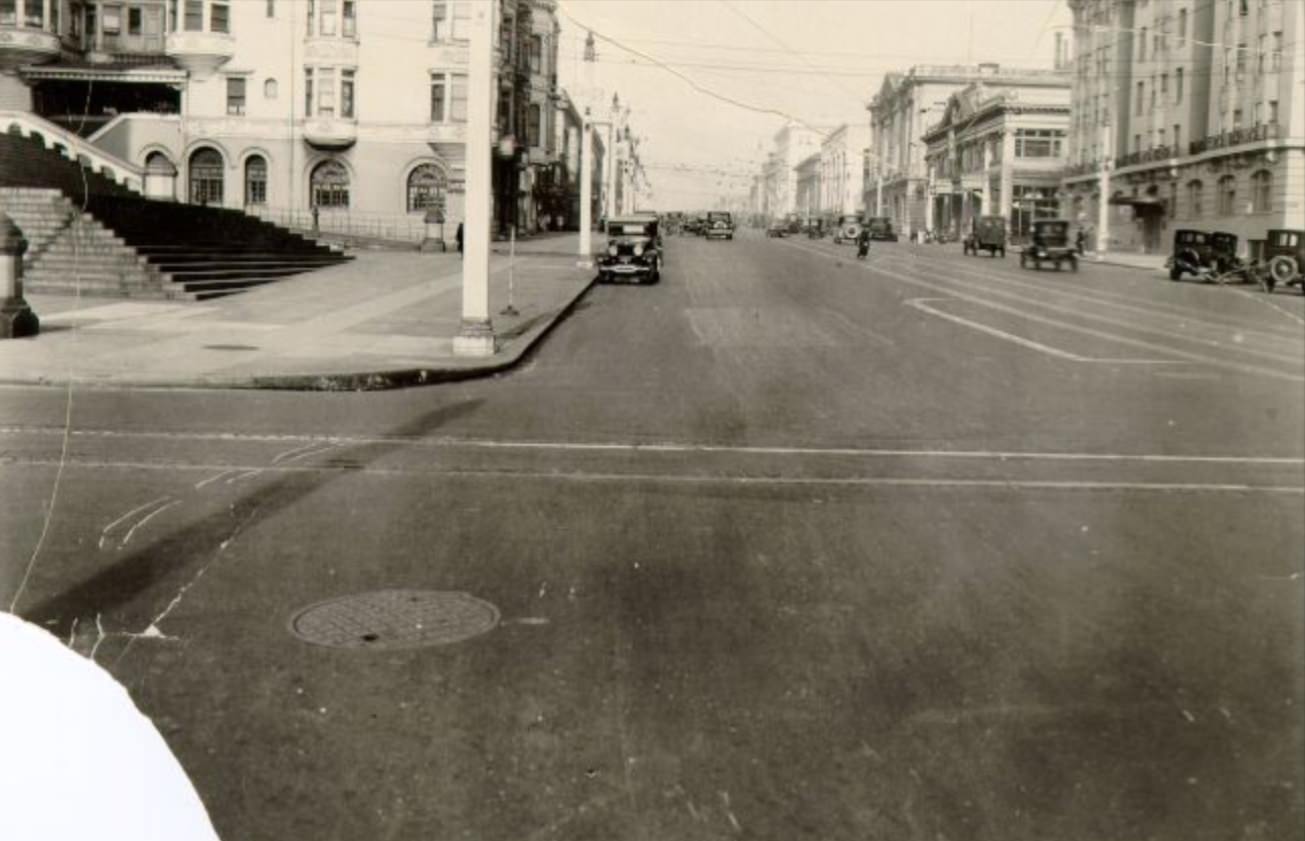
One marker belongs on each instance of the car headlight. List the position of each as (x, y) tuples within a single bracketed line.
[(638, 250), (611, 250)]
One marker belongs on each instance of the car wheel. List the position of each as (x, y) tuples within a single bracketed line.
[(1175, 273)]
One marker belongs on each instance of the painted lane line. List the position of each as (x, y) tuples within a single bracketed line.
[(312, 450), (104, 532), (156, 512), (210, 480), (667, 447), (277, 459), (779, 481), (248, 474), (1088, 331), (922, 305), (1127, 302), (1239, 347)]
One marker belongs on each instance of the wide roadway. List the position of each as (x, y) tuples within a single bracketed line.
[(789, 546)]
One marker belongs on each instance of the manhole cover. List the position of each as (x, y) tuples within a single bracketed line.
[(394, 619)]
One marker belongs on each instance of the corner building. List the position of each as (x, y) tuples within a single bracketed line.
[(1197, 107), (353, 108)]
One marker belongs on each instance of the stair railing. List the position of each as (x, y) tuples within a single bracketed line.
[(75, 148)]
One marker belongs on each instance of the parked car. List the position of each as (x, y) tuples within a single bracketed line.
[(881, 228), (634, 251), (1229, 266), (1283, 259), (989, 234), (1192, 254), (847, 229), (1049, 244), (719, 224), (777, 228)]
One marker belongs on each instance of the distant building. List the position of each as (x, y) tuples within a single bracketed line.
[(793, 143), (1197, 109), (842, 154), (906, 104), (808, 199), (997, 151)]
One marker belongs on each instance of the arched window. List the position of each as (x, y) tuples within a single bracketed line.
[(1194, 197), (1262, 191), (206, 170), (1227, 195), (269, 89), (255, 180), (330, 185), (426, 188), (157, 163)]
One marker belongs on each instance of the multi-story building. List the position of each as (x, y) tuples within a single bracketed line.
[(842, 153), (793, 143), (808, 188), (906, 104), (1196, 109), (354, 110), (997, 151)]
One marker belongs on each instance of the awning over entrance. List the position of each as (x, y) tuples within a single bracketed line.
[(153, 74)]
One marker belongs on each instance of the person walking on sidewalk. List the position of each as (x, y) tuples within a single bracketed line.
[(459, 238)]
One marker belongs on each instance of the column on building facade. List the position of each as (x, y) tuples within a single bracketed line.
[(1007, 140), (985, 164)]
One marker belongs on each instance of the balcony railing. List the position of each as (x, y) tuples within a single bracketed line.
[(1236, 137), (1143, 156)]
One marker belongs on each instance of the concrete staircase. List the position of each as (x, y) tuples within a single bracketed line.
[(70, 252), (127, 245), (41, 214)]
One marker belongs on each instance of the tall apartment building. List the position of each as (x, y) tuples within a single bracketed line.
[(905, 106), (1198, 108), (842, 152), (807, 187), (282, 106)]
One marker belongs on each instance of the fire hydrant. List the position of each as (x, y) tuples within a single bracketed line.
[(16, 318)]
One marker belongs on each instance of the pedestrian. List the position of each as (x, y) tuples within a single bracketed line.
[(459, 235), (1080, 241)]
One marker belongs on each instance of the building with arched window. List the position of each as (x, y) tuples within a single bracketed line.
[(1193, 136), (283, 108)]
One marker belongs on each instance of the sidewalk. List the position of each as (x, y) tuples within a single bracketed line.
[(383, 320), (1147, 262)]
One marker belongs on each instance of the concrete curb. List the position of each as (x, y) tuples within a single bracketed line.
[(384, 380)]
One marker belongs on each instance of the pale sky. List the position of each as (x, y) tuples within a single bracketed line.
[(819, 60)]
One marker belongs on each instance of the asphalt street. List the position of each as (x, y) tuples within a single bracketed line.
[(789, 546)]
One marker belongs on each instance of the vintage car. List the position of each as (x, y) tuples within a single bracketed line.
[(1049, 244), (847, 229), (634, 252), (719, 224), (989, 234), (815, 228), (1283, 259), (777, 228), (1231, 268), (881, 228), (1193, 254)]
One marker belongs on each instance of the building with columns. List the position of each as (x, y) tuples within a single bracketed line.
[(842, 153), (808, 188), (1195, 112), (354, 110), (792, 144), (908, 103), (996, 151)]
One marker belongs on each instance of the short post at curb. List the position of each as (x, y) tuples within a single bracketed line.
[(510, 310), (17, 321), (476, 335)]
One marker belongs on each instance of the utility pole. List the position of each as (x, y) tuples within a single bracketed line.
[(1103, 206), (476, 336), (586, 191)]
